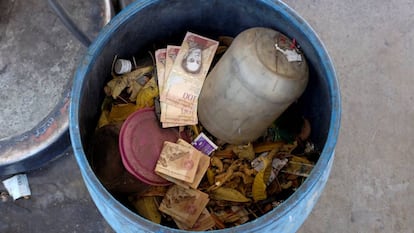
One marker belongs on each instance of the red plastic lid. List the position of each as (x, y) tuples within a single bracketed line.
[(140, 142)]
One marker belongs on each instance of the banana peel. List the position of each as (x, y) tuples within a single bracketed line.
[(120, 112), (228, 194), (115, 87), (226, 152), (133, 89), (299, 166), (210, 176), (300, 160), (131, 80), (288, 148), (105, 108), (117, 113), (103, 119), (245, 151), (147, 208), (217, 163), (260, 180), (268, 146), (145, 97)]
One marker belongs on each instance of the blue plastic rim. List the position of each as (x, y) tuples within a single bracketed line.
[(146, 23)]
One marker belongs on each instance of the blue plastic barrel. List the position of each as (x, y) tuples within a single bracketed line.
[(146, 23)]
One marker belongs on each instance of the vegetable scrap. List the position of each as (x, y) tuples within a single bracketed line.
[(147, 207), (214, 185)]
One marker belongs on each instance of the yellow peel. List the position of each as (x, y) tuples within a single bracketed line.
[(120, 112), (216, 162), (147, 208), (210, 176), (260, 180), (145, 97), (228, 194), (130, 80), (103, 119), (267, 146), (245, 151)]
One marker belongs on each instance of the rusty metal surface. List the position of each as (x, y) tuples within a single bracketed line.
[(38, 59)]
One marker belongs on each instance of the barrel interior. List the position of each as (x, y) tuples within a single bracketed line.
[(155, 25)]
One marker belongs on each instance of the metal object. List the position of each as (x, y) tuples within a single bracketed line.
[(50, 137), (34, 148), (122, 66), (72, 27), (320, 101)]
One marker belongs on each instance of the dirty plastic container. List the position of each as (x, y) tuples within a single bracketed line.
[(251, 85), (140, 143), (146, 23)]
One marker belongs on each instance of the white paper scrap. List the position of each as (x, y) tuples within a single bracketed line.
[(17, 186), (291, 55)]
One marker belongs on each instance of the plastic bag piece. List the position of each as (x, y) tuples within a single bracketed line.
[(17, 186)]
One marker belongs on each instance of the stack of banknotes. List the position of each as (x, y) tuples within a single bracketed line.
[(181, 73)]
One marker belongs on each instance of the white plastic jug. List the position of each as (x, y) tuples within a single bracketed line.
[(255, 81)]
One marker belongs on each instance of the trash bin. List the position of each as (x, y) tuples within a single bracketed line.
[(145, 23)]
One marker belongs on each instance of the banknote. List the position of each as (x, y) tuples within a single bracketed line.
[(202, 165), (177, 161), (173, 124), (184, 205), (203, 223), (160, 61), (201, 169), (185, 80), (171, 115), (171, 112), (178, 122), (170, 54)]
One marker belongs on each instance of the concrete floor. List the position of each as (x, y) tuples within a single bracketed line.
[(369, 189), (371, 43), (37, 60)]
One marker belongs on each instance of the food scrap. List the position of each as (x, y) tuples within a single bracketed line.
[(214, 185)]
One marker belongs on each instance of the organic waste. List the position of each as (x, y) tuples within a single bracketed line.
[(240, 183)]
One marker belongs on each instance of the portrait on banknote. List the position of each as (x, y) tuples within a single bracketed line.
[(192, 60)]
